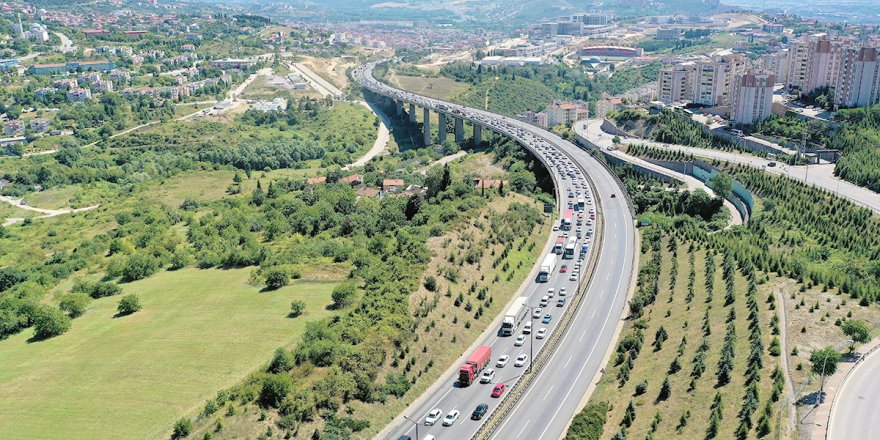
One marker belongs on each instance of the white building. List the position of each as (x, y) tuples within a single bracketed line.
[(859, 78), (713, 79), (675, 84), (752, 97)]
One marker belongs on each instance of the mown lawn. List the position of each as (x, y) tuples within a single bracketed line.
[(199, 331)]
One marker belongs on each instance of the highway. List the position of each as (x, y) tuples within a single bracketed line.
[(856, 410), (817, 175), (564, 379)]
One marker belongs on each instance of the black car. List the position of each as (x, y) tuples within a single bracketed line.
[(480, 411)]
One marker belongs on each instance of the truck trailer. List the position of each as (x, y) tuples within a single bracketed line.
[(474, 364), (515, 314), (547, 267)]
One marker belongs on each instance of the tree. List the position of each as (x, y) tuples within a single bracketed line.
[(139, 266), (128, 305), (413, 206), (431, 283), (74, 304), (824, 361), (276, 278), (857, 331), (50, 322), (182, 429), (343, 295), (722, 184), (665, 390), (297, 308), (282, 361), (274, 390)]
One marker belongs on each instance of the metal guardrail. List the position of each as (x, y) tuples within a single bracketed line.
[(519, 388), (500, 413)]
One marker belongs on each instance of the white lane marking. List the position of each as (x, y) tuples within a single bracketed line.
[(590, 355), (566, 362), (548, 392), (523, 428)]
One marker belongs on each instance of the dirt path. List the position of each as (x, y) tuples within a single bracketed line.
[(46, 212)]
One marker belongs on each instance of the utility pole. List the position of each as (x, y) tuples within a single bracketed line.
[(414, 423)]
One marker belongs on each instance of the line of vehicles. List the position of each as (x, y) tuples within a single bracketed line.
[(571, 246)]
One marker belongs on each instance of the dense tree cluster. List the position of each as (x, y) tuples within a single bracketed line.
[(859, 140)]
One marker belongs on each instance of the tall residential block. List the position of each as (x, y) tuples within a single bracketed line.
[(859, 78), (713, 79), (675, 84), (752, 97)]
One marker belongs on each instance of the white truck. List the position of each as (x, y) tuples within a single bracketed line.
[(514, 316), (547, 267)]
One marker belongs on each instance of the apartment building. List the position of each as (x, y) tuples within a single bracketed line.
[(565, 113), (752, 97), (713, 79), (675, 84), (859, 77)]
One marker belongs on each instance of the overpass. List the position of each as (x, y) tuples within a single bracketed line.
[(540, 401)]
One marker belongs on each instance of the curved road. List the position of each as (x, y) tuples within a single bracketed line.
[(558, 389), (817, 175), (856, 411)]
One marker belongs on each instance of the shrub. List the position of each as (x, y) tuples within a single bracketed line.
[(50, 322), (587, 424), (274, 390), (343, 294), (74, 304), (282, 361), (431, 284), (129, 304), (297, 308), (642, 388), (182, 429), (139, 266), (276, 278)]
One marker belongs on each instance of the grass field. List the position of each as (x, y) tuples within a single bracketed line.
[(684, 319), (440, 88), (9, 211), (131, 377)]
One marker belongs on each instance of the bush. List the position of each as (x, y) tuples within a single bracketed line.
[(587, 424), (276, 278), (182, 429), (129, 304), (96, 289), (297, 308), (139, 266), (431, 284), (50, 322), (282, 361), (74, 304), (274, 390), (642, 388), (343, 294)]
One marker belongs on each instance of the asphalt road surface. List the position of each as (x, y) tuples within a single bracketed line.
[(565, 378), (856, 412)]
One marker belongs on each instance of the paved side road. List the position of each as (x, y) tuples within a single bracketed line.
[(817, 175), (852, 401)]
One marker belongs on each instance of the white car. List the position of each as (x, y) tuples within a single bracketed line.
[(541, 333), (536, 313), (450, 418), (502, 361), (527, 328), (433, 416), (573, 276), (552, 291), (521, 360), (562, 291), (487, 376), (520, 340)]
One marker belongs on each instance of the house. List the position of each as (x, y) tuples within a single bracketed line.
[(355, 180), (120, 75), (12, 127), (66, 84), (39, 124), (275, 105), (488, 183), (9, 64), (79, 95), (233, 64), (312, 181), (90, 77), (188, 47), (103, 86), (95, 32), (367, 192), (48, 69), (42, 92), (392, 185)]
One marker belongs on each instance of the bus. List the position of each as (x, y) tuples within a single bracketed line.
[(570, 248), (560, 242), (580, 204), (566, 220)]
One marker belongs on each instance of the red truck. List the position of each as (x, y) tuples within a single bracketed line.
[(471, 367)]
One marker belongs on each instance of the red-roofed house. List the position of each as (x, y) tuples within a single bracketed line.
[(355, 180), (316, 180), (392, 185)]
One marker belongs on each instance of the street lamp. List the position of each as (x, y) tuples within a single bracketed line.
[(824, 361), (414, 423)]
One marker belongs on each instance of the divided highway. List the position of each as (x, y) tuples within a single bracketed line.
[(557, 389)]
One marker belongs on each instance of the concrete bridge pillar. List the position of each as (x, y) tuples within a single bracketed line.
[(412, 113), (459, 130), (478, 135), (399, 108), (441, 128), (426, 126)]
